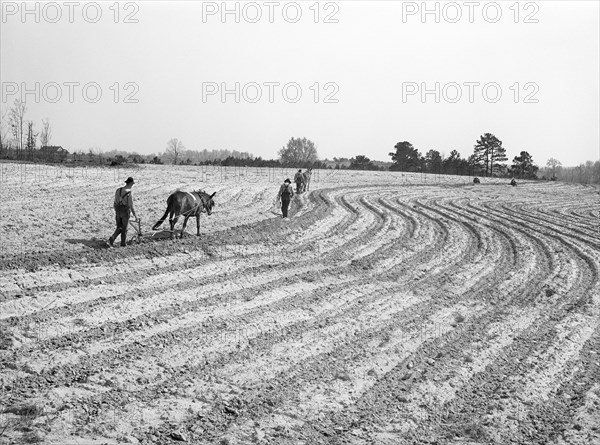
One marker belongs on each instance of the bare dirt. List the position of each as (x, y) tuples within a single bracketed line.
[(389, 309)]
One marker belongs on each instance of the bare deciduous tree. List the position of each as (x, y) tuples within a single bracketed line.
[(4, 130), (174, 149), (16, 119), (553, 164), (46, 133)]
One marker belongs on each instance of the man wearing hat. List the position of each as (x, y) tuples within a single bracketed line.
[(123, 205), (286, 192)]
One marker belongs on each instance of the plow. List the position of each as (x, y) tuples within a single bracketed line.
[(139, 235)]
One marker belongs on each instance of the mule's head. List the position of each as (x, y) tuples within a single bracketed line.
[(208, 202)]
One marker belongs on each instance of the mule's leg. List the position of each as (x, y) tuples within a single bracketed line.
[(198, 224), (185, 220), (172, 222)]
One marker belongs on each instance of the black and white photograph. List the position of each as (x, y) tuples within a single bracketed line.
[(310, 222)]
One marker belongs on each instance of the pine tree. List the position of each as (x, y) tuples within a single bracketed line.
[(433, 161), (498, 159), (523, 166), (489, 153), (405, 158)]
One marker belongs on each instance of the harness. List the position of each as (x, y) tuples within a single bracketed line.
[(193, 210), (192, 195)]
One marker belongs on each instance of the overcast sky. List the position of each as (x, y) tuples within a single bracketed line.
[(533, 83)]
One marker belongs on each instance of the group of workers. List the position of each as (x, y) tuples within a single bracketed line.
[(286, 191), (123, 205)]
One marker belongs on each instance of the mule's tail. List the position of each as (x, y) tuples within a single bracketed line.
[(162, 219)]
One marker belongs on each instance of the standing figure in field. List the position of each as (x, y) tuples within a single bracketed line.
[(286, 192), (298, 179), (186, 204), (123, 205), (306, 180)]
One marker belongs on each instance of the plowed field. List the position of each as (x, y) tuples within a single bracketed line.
[(389, 309)]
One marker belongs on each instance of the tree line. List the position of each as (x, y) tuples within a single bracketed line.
[(588, 173), (19, 141), (489, 159)]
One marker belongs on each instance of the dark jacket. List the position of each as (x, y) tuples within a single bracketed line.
[(289, 189)]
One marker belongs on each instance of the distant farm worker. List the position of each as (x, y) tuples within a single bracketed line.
[(513, 182), (123, 206), (286, 192), (298, 180)]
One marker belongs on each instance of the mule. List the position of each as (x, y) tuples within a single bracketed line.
[(306, 179), (186, 204)]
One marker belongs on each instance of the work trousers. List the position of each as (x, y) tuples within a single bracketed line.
[(285, 203), (122, 219)]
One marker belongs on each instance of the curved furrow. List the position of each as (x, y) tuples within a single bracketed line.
[(378, 314), (477, 216), (519, 277), (70, 335), (476, 345), (95, 361), (175, 279), (557, 374), (192, 279), (326, 237), (563, 228), (575, 243), (428, 397), (411, 221), (580, 398), (359, 385), (351, 241), (565, 215), (540, 328), (309, 403), (19, 283)]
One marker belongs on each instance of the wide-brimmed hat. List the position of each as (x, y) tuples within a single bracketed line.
[(288, 181), (130, 181)]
